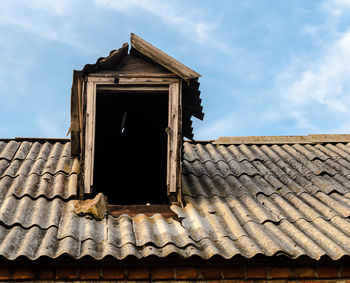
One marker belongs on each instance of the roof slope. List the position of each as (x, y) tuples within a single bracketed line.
[(241, 199), (268, 199)]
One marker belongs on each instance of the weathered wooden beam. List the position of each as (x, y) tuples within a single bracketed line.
[(310, 139), (139, 89), (162, 58), (101, 80), (146, 81), (118, 74), (75, 123), (174, 131), (89, 144)]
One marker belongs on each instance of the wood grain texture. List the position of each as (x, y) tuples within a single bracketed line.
[(75, 114), (137, 89), (310, 139), (162, 58), (134, 64), (88, 160), (118, 74), (174, 138), (146, 81)]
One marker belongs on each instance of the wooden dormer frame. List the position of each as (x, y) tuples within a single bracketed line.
[(178, 80), (139, 83)]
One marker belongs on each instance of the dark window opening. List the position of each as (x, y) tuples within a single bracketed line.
[(131, 147)]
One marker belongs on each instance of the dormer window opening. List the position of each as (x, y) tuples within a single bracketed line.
[(131, 147), (129, 114)]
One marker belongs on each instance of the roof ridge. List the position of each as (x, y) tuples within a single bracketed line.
[(35, 139), (307, 139)]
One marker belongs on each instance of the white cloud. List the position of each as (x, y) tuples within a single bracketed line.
[(324, 81), (336, 7), (188, 21), (315, 90), (312, 94), (42, 18)]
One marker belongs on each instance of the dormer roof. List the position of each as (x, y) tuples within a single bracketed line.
[(142, 48)]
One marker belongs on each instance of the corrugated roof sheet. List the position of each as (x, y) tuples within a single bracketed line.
[(37, 169), (240, 199)]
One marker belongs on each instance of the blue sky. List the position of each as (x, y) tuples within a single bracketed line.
[(268, 67)]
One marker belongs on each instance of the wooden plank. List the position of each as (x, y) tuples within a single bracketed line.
[(117, 74), (169, 140), (174, 138), (88, 137), (31, 139), (310, 139), (174, 128), (179, 148), (146, 81), (138, 89), (74, 111), (83, 140), (93, 128), (136, 64), (162, 58), (148, 75), (104, 80), (81, 114)]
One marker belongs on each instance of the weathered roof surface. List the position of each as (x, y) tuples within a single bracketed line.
[(35, 169), (268, 199), (240, 199)]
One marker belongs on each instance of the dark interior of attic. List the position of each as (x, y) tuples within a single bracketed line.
[(130, 147)]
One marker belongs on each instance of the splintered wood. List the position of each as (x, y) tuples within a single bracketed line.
[(162, 58), (174, 138)]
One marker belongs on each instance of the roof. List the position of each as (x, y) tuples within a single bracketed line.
[(240, 199), (162, 58), (142, 48)]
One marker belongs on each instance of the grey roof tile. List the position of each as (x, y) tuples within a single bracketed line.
[(8, 149), (242, 199)]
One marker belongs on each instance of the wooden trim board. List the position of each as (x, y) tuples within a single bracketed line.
[(174, 129), (174, 138), (162, 58)]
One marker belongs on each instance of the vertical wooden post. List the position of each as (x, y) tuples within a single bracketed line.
[(90, 125), (89, 136), (81, 89), (174, 139)]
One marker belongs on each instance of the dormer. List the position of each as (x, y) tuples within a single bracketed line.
[(129, 114)]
